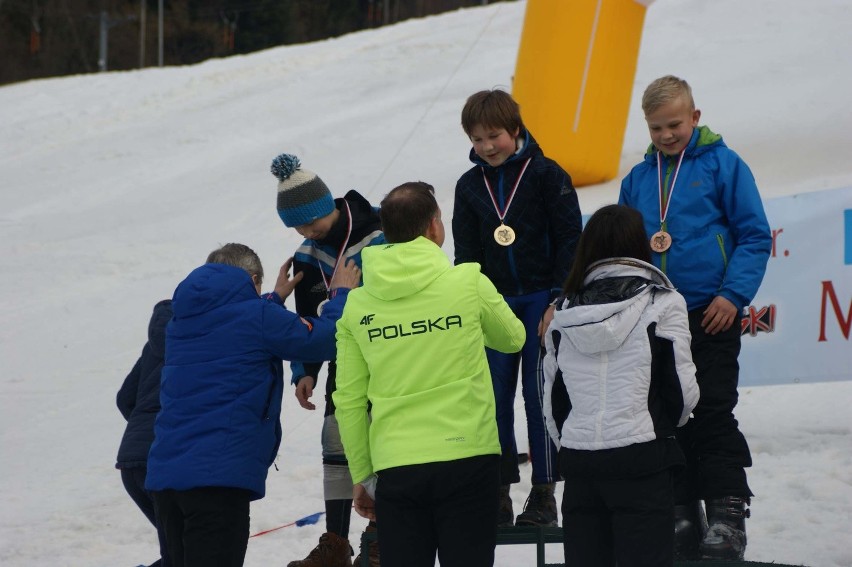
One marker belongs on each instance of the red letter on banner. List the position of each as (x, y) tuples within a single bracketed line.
[(845, 324)]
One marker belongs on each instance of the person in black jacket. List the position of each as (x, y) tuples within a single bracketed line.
[(516, 214), (138, 400)]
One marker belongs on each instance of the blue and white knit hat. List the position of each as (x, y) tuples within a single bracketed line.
[(302, 196)]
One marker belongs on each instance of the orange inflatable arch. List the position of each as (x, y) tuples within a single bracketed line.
[(574, 78)]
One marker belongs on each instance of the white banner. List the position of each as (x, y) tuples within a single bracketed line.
[(798, 327)]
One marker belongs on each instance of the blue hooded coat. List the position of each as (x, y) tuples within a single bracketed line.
[(223, 380), (720, 236)]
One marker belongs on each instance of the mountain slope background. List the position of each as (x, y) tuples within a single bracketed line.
[(114, 186)]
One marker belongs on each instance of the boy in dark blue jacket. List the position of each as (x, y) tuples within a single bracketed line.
[(138, 400), (219, 427), (709, 235), (335, 231), (516, 214)]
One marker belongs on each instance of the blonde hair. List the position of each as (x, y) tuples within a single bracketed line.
[(663, 91)]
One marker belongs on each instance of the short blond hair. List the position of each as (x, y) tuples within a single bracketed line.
[(663, 91)]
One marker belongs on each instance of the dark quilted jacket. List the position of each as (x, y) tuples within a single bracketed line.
[(138, 400), (544, 213)]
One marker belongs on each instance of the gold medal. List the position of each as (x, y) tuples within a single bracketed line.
[(504, 235), (661, 241)]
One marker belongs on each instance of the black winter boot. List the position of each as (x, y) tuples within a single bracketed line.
[(505, 514), (540, 508), (690, 527), (726, 537)]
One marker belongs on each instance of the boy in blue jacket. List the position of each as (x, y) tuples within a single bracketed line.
[(709, 235), (219, 427), (516, 214)]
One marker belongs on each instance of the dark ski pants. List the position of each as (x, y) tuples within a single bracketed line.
[(504, 376), (134, 483), (626, 522), (448, 507), (205, 527), (717, 453)]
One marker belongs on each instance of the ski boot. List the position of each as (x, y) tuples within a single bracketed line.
[(726, 538), (690, 527)]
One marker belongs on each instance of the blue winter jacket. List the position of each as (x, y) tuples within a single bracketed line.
[(223, 380), (138, 399), (545, 215), (720, 236)]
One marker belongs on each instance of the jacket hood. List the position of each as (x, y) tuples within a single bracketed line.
[(702, 139), (615, 293), (528, 148), (392, 271), (157, 327), (210, 286), (362, 212)]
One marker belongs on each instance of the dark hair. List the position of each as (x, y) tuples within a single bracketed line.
[(614, 231), (238, 256), (407, 211), (491, 109)]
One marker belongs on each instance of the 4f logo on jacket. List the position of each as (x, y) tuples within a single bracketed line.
[(412, 328), (367, 319)]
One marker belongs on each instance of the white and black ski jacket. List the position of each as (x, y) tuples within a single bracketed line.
[(621, 347)]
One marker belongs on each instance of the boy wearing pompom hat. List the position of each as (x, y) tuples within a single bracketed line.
[(335, 231)]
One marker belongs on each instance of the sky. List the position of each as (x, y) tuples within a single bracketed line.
[(114, 186)]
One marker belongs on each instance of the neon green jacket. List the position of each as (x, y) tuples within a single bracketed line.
[(411, 341)]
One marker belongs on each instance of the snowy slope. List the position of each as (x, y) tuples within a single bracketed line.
[(114, 186)]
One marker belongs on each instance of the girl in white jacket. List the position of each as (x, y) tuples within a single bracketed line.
[(619, 379)]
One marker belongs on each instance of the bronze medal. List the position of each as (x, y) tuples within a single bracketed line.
[(504, 235), (661, 241)]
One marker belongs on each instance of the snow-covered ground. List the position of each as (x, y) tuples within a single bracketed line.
[(115, 186)]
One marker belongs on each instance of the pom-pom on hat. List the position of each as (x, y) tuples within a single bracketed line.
[(302, 195)]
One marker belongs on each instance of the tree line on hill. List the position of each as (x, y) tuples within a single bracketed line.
[(46, 38)]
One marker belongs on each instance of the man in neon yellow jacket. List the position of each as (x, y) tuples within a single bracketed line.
[(411, 343)]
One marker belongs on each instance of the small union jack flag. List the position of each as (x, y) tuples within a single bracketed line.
[(756, 321)]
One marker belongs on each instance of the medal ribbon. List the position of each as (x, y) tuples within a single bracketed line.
[(502, 214), (666, 196), (327, 281)]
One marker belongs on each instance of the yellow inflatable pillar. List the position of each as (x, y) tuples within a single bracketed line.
[(574, 78)]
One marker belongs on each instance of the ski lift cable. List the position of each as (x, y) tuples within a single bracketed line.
[(435, 98)]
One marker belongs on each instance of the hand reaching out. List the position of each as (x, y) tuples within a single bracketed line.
[(284, 285), (304, 390), (347, 276)]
